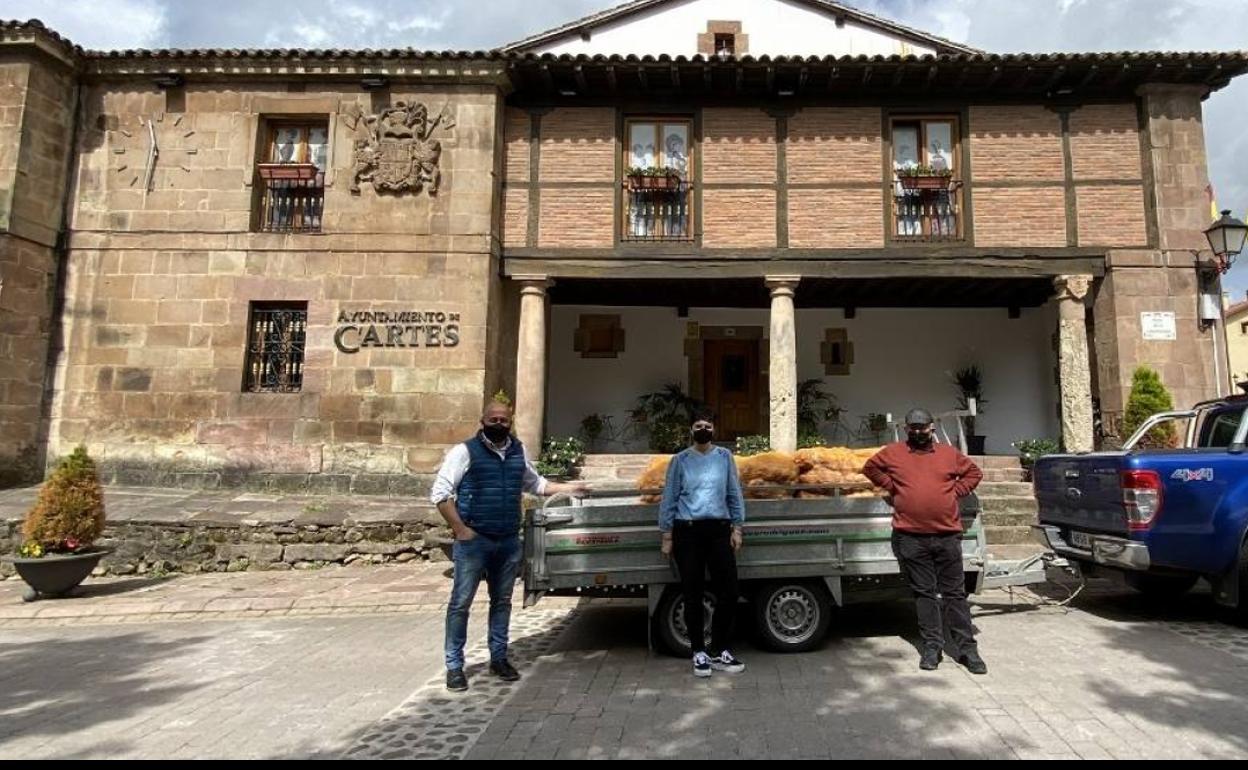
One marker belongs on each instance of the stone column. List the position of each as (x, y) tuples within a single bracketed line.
[(531, 363), (783, 347), (1074, 373)]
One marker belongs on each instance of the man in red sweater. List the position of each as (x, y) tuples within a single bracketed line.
[(924, 481)]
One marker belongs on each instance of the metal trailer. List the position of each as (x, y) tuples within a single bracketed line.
[(802, 558)]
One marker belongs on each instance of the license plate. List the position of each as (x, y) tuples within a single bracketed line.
[(1081, 540)]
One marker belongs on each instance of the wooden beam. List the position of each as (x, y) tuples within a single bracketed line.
[(898, 74), (642, 77), (962, 76), (802, 75), (611, 84), (931, 76), (1056, 76), (997, 71), (833, 74), (1119, 76), (548, 80), (1022, 79), (675, 77), (739, 80), (771, 79), (866, 74), (1088, 77), (578, 74)]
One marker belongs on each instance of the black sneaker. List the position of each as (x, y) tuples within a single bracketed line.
[(701, 664), (456, 681), (504, 670), (930, 659), (973, 662), (727, 663)]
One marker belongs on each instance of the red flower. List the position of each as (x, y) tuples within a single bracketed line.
[(71, 544)]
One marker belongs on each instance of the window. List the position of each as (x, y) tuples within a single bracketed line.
[(658, 169), (725, 44), (1243, 327), (1219, 428), (292, 177), (836, 352), (927, 179), (599, 336), (276, 333)]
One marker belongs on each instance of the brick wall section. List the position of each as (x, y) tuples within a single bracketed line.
[(738, 145), (578, 145), (515, 217), (834, 219), (1111, 216), (1020, 216), (835, 145), (739, 218), (1016, 144), (577, 217), (1105, 142), (517, 138)]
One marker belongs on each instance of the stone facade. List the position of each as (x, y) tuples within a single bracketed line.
[(440, 180)]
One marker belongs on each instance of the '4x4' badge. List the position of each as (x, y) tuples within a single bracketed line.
[(1192, 474)]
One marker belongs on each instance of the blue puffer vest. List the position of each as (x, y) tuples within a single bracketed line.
[(489, 495)]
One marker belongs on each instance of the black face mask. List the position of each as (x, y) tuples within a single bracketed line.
[(703, 436), (496, 433), (919, 439)]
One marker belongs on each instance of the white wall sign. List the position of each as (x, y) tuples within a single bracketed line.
[(1158, 326)]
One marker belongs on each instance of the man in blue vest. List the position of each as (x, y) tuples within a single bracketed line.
[(478, 492)]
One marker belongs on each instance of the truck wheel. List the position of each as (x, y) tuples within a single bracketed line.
[(792, 616), (669, 621), (1161, 586)]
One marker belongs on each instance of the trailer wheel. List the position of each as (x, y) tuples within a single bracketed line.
[(669, 621), (792, 616)]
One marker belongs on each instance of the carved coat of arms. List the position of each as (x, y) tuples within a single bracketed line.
[(395, 150)]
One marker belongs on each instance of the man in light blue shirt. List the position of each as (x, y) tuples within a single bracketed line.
[(701, 516)]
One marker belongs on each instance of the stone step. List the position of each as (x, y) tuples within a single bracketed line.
[(1004, 474), (996, 504), (595, 461), (1013, 551), (998, 462), (1008, 535), (1004, 489), (1008, 519)]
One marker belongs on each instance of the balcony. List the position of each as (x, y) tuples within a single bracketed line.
[(927, 209), (292, 198), (657, 208)]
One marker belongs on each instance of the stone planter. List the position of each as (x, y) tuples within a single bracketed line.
[(55, 575)]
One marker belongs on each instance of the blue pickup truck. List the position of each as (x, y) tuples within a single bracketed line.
[(1162, 518)]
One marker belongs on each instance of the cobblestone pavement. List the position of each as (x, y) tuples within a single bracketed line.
[(1114, 675)]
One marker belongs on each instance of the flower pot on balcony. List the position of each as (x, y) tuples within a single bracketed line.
[(924, 182)]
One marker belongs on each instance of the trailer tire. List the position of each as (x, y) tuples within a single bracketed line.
[(668, 623), (792, 615)]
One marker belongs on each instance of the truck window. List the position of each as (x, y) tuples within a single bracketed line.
[(1220, 428)]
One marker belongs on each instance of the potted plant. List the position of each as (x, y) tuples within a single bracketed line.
[(969, 381), (59, 532), (652, 178), (665, 414), (592, 426), (924, 178), (560, 457), (876, 425)]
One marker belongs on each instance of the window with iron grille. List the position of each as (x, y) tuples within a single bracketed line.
[(658, 167), (276, 334), (291, 188), (927, 182)]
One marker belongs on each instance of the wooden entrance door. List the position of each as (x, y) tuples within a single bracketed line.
[(731, 386)]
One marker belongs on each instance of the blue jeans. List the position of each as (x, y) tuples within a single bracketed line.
[(498, 559)]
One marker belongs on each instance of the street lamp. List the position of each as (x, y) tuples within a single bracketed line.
[(1226, 238)]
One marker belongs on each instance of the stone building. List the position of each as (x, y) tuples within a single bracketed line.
[(308, 269)]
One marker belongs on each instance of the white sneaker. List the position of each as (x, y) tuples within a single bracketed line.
[(701, 664), (727, 663)]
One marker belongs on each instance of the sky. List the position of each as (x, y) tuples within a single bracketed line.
[(999, 26)]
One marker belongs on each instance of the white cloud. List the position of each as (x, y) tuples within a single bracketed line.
[(103, 25)]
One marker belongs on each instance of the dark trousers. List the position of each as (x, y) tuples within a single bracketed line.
[(932, 565), (700, 547)]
